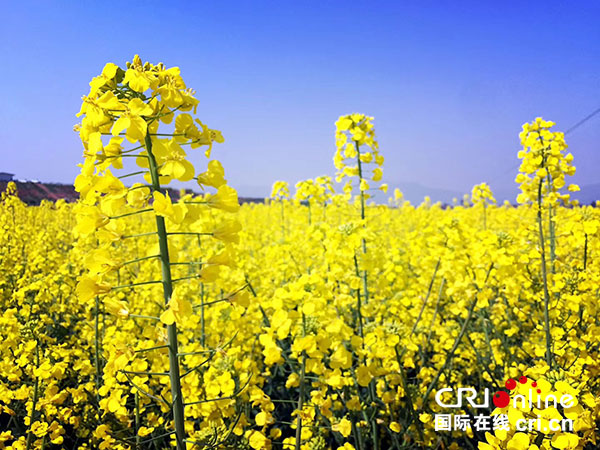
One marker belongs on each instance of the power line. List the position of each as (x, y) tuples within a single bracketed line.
[(582, 121)]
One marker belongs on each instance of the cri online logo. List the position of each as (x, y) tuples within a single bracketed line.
[(501, 399)]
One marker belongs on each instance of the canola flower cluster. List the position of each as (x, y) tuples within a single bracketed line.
[(133, 320)]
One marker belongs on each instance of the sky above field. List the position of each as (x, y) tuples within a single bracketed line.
[(449, 83)]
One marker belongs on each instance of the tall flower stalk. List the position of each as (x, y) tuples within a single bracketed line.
[(281, 192), (482, 197), (130, 104), (357, 148), (544, 166)]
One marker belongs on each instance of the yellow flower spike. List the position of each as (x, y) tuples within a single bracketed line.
[(280, 189), (120, 104), (544, 155)]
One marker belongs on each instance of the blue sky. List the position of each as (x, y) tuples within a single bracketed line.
[(449, 83)]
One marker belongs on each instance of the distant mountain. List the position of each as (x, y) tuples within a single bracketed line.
[(33, 192), (253, 191), (416, 193)]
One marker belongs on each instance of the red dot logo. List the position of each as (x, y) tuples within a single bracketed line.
[(501, 399), (510, 384), (534, 384), (523, 380)]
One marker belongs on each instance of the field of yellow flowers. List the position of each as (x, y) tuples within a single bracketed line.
[(316, 321)]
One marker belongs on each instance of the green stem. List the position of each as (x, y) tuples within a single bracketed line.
[(202, 324), (360, 176), (143, 258), (484, 216), (585, 252), (371, 387), (452, 350), (282, 219), (140, 316), (131, 174), (552, 229), (137, 420), (97, 347), (301, 391), (36, 393), (362, 216), (142, 350), (404, 378), (134, 213), (300, 403), (544, 279), (358, 303), (437, 266), (178, 413), (129, 236), (435, 312), (188, 233)]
